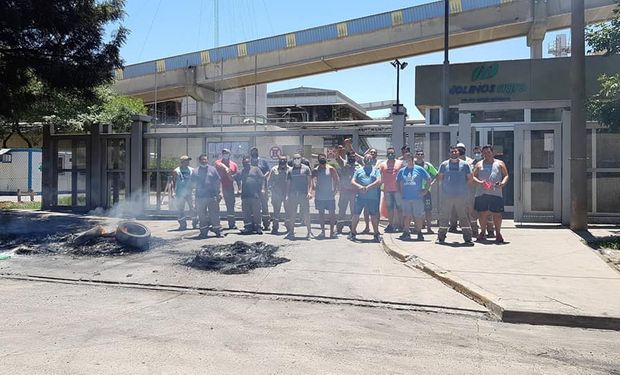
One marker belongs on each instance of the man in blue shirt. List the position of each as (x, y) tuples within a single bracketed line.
[(367, 180), (412, 184), (454, 176)]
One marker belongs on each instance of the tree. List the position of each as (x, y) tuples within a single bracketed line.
[(604, 106), (55, 49)]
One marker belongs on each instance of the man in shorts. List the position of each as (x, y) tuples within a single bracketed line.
[(389, 170), (491, 175), (454, 175), (325, 184), (412, 184), (367, 180)]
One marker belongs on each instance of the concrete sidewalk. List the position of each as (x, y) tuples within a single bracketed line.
[(543, 275)]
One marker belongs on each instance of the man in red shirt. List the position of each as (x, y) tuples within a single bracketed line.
[(389, 171), (227, 169)]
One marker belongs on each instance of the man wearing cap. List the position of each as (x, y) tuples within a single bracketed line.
[(276, 182), (208, 187), (182, 191), (227, 170), (263, 165)]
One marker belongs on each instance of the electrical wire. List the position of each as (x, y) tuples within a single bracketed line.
[(148, 33)]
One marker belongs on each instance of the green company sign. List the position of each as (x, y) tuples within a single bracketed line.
[(483, 72), (486, 72)]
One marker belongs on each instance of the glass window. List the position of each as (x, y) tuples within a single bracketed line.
[(434, 116), (453, 116), (510, 115), (607, 150), (546, 114), (607, 196)]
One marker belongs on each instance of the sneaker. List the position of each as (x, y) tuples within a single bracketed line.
[(218, 233), (420, 237), (499, 239), (351, 237), (389, 229), (333, 235), (441, 239), (274, 231), (321, 236), (258, 231), (405, 236), (203, 235), (377, 237), (290, 236), (232, 227), (429, 231), (246, 231), (490, 233), (182, 226), (481, 237), (452, 229)]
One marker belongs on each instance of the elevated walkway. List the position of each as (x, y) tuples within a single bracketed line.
[(381, 37)]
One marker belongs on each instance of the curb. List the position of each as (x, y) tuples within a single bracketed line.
[(492, 302)]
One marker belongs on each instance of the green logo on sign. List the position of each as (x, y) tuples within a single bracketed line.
[(483, 72)]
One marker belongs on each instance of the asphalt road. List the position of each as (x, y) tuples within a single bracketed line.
[(57, 328)]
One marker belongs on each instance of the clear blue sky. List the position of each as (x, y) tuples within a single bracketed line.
[(162, 28)]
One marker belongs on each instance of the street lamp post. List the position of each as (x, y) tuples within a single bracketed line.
[(399, 66), (445, 105)]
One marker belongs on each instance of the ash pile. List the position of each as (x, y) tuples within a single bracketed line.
[(236, 258), (129, 237)]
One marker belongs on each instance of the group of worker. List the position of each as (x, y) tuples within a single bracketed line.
[(471, 191)]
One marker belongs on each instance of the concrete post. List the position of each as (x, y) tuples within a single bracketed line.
[(398, 126), (536, 49), (579, 208), (96, 168), (204, 113), (464, 135), (136, 156), (48, 186)]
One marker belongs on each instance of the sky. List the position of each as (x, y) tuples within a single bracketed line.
[(163, 28)]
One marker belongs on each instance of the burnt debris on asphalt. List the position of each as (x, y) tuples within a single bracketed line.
[(235, 258)]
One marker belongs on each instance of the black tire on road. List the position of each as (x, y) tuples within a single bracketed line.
[(133, 234)]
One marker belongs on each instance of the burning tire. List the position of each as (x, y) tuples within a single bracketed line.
[(133, 234)]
